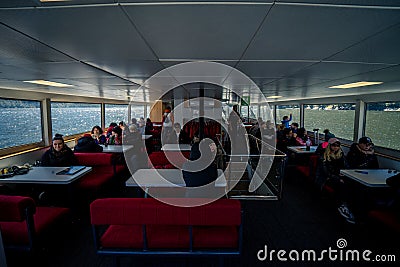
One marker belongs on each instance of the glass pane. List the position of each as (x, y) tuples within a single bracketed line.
[(137, 111), (74, 118), (116, 113), (285, 111), (381, 124), (21, 122), (338, 118)]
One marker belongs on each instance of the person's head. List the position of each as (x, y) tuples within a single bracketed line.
[(133, 128), (334, 144), (177, 127), (58, 142), (301, 132), (263, 125), (167, 109), (196, 137), (285, 118), (134, 121), (117, 131), (328, 135), (112, 125), (288, 132), (294, 125), (365, 143), (148, 120), (97, 131)]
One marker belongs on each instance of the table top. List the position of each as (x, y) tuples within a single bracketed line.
[(165, 178), (45, 175), (116, 148), (370, 177), (302, 149), (176, 147)]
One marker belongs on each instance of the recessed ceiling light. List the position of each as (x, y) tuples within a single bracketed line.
[(48, 83), (274, 96), (357, 84)]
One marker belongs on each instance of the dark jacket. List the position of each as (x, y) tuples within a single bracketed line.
[(183, 138), (64, 158), (87, 144), (357, 159), (328, 169)]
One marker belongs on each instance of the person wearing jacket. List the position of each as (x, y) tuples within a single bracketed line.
[(59, 154), (87, 144), (362, 156)]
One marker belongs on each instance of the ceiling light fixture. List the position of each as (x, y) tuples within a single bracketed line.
[(274, 96), (48, 83), (353, 85)]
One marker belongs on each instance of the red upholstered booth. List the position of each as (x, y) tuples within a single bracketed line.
[(149, 227), (158, 159), (22, 224)]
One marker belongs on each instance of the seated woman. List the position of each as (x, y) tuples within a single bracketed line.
[(116, 136), (328, 172), (87, 144), (59, 154), (97, 135), (198, 171), (110, 128)]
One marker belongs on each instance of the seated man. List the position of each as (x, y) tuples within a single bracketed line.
[(362, 155), (179, 136), (201, 168)]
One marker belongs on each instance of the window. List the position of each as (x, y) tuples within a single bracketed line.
[(116, 113), (285, 111), (137, 111), (21, 122), (338, 118), (381, 124), (74, 118)]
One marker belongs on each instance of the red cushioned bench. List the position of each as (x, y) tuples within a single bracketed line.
[(389, 218), (22, 223), (104, 168), (158, 159), (145, 226)]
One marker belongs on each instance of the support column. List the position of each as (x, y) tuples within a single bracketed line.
[(301, 115), (359, 120), (201, 112), (103, 115), (46, 119)]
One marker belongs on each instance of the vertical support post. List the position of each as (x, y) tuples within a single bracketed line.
[(301, 115), (129, 114), (103, 115), (359, 120), (201, 112), (46, 119)]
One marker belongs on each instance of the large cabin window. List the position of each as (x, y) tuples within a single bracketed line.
[(21, 122), (137, 111), (382, 124), (74, 118), (285, 110), (116, 113), (338, 118)]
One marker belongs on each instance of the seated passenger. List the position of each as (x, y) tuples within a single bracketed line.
[(285, 140), (301, 137), (321, 147), (148, 127), (197, 171), (136, 157), (179, 136), (110, 128), (97, 135), (116, 136), (362, 155), (328, 173), (59, 154), (87, 144)]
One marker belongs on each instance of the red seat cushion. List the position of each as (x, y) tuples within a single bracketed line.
[(386, 217), (160, 236), (304, 170), (16, 233), (96, 178), (215, 237), (123, 236)]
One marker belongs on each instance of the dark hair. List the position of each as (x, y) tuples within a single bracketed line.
[(295, 124), (177, 124), (285, 118), (121, 123), (301, 132), (113, 124), (117, 130), (58, 136), (98, 128)]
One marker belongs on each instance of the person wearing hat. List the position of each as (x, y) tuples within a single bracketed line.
[(328, 173), (361, 155), (59, 154)]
